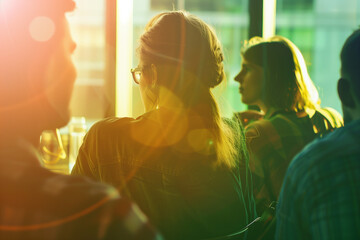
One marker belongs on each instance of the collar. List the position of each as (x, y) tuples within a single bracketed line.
[(273, 111)]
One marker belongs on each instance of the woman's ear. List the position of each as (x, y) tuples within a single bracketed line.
[(154, 75), (345, 93)]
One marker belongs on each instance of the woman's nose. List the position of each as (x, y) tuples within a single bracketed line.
[(238, 78)]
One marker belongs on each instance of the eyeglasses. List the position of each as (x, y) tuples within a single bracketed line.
[(136, 74)]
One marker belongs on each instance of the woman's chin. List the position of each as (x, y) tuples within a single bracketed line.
[(244, 100)]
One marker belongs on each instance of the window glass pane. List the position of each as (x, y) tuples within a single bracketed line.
[(230, 21), (291, 5), (163, 4), (229, 6), (319, 28), (87, 24)]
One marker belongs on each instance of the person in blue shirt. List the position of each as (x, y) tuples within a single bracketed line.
[(321, 193)]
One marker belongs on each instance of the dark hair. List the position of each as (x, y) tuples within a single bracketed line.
[(350, 60), (20, 51), (287, 84)]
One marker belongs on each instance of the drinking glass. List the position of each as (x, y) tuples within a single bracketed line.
[(53, 154)]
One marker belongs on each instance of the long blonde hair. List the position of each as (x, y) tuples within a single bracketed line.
[(190, 49), (287, 81)]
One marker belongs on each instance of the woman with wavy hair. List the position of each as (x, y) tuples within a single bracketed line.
[(179, 161), (274, 78)]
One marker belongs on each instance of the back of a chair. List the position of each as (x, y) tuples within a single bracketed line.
[(264, 228), (237, 235)]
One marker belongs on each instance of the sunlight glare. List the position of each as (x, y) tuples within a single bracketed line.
[(42, 29), (124, 50), (269, 18)]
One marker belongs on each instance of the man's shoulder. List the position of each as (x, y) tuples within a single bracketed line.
[(330, 144), (69, 207), (317, 149), (71, 191), (43, 196), (322, 184), (83, 186), (334, 147)]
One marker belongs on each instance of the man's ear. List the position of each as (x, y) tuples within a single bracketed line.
[(154, 75), (345, 93)]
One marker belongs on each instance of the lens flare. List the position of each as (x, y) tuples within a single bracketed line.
[(42, 29)]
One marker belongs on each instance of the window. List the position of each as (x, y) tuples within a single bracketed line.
[(291, 5), (88, 29), (319, 28)]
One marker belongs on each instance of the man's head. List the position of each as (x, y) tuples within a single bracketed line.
[(36, 70), (349, 83)]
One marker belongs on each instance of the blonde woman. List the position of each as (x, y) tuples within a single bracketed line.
[(274, 78), (179, 161)]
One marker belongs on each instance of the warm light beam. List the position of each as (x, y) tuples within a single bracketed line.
[(124, 49), (269, 18)]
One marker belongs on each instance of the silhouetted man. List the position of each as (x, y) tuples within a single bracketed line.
[(36, 81)]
